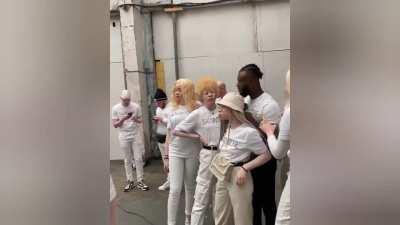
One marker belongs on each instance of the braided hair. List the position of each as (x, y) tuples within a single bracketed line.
[(252, 69)]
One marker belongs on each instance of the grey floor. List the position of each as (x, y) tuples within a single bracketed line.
[(145, 207)]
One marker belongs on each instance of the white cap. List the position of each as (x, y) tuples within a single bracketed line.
[(126, 94)]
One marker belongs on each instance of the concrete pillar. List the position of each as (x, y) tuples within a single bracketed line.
[(134, 58)]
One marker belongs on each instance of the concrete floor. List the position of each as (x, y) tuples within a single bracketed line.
[(148, 207)]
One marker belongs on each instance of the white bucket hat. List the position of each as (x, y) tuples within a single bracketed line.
[(125, 94), (233, 101)]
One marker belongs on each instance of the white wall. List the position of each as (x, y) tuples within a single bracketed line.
[(220, 40), (215, 41), (116, 82)]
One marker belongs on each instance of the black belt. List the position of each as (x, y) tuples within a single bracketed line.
[(210, 147)]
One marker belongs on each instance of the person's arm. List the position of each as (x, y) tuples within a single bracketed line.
[(258, 161), (166, 156), (247, 167), (116, 122), (278, 147), (187, 128), (138, 117), (160, 119), (186, 134), (164, 121)]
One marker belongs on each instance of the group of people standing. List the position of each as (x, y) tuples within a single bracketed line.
[(220, 148)]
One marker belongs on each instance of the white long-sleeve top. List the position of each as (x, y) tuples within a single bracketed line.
[(280, 147)]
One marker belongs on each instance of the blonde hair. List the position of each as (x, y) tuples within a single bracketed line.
[(206, 84), (240, 117), (188, 94)]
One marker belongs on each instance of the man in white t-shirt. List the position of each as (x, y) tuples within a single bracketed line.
[(161, 120), (126, 116), (260, 105)]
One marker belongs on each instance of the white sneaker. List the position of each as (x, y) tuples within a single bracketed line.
[(164, 187)]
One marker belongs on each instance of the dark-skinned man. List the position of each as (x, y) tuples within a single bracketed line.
[(260, 105)]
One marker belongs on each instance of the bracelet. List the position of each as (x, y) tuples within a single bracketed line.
[(244, 169)]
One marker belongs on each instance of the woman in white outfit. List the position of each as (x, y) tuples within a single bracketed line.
[(182, 160), (203, 125), (234, 189), (279, 148)]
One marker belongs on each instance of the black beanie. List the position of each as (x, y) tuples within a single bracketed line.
[(160, 95)]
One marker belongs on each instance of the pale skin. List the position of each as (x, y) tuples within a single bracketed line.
[(225, 114), (118, 122), (267, 127), (208, 100), (221, 89)]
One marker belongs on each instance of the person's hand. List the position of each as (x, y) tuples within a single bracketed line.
[(267, 127), (166, 165), (136, 120), (202, 140), (157, 119), (241, 176), (127, 116)]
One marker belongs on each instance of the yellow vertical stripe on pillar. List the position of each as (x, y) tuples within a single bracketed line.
[(160, 75)]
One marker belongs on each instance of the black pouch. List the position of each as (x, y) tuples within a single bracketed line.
[(161, 138)]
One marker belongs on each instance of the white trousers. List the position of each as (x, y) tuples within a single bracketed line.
[(133, 150), (163, 153), (283, 213), (204, 188), (182, 172)]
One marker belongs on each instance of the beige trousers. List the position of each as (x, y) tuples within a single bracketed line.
[(233, 203)]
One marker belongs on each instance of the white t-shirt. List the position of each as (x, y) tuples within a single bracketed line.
[(129, 128), (163, 114), (264, 106), (238, 143), (204, 122), (180, 146)]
